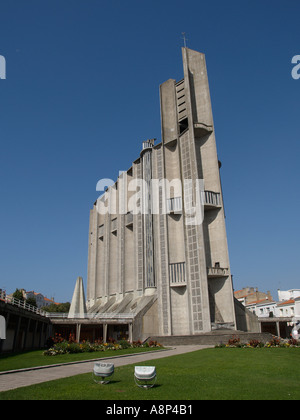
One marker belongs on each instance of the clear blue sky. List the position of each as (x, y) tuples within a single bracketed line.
[(82, 93)]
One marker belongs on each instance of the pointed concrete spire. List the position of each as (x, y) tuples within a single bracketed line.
[(78, 307)]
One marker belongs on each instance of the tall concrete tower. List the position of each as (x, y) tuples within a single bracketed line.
[(169, 275), (189, 148)]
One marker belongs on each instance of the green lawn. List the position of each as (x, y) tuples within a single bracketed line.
[(36, 358), (210, 374)]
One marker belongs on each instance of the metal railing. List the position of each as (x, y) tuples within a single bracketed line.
[(211, 198), (63, 315), (177, 273), (21, 304), (148, 144), (93, 315), (217, 272), (174, 205)]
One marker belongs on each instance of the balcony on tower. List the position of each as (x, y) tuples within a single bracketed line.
[(177, 274), (174, 205), (201, 129), (217, 271), (211, 200), (147, 145)]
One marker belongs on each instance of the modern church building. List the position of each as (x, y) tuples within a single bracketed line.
[(158, 260)]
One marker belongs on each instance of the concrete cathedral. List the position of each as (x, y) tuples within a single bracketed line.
[(165, 272)]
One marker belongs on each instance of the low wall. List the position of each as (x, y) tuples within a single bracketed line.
[(212, 338)]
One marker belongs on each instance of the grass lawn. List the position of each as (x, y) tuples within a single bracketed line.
[(36, 358), (210, 374)]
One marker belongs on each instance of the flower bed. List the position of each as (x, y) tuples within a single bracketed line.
[(275, 342), (61, 346)]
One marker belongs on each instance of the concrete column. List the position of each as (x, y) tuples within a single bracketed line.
[(278, 328), (6, 322), (16, 333), (41, 333), (26, 334), (49, 330), (78, 328), (34, 334), (146, 157), (104, 333), (130, 332), (92, 256), (45, 330)]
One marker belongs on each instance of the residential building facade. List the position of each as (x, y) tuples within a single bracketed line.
[(276, 317), (248, 295)]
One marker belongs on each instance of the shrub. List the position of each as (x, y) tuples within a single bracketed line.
[(275, 342), (62, 346), (220, 345), (49, 342), (293, 342), (137, 344), (124, 344), (58, 338), (234, 341), (154, 344), (74, 348), (255, 343)]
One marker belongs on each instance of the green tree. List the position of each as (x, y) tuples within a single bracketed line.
[(18, 294), (61, 307), (31, 301)]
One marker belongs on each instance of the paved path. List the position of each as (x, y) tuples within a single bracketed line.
[(31, 376)]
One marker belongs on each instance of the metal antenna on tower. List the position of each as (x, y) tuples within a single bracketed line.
[(184, 38)]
